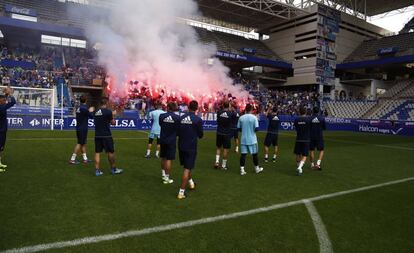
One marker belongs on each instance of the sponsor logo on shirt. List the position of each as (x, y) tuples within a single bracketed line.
[(275, 118), (224, 115), (169, 119), (98, 113), (186, 120), (316, 121)]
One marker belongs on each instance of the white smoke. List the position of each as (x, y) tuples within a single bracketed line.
[(142, 40)]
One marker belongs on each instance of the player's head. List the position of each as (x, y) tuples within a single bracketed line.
[(172, 107), (3, 99), (302, 110), (158, 104), (274, 109), (193, 106), (104, 102), (226, 105), (82, 99), (248, 108), (316, 110)]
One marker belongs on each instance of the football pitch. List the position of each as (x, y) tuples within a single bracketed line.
[(362, 200)]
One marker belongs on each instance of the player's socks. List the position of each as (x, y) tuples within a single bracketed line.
[(163, 173), (319, 162), (157, 154), (191, 183), (181, 194), (312, 164), (274, 158), (73, 158), (299, 169), (224, 164), (266, 158), (242, 171), (148, 154), (237, 149), (217, 159)]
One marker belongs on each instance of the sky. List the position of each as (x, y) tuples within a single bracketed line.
[(392, 22)]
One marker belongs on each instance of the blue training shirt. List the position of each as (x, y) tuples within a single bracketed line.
[(103, 118), (248, 124), (170, 124), (3, 114), (154, 116), (82, 116), (191, 129), (317, 127), (302, 126)]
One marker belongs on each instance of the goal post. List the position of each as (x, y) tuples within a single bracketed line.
[(34, 101)]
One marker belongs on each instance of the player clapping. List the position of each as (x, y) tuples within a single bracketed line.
[(169, 123), (191, 129), (316, 138), (302, 126), (155, 129), (223, 136), (248, 125), (83, 114), (272, 132), (104, 118)]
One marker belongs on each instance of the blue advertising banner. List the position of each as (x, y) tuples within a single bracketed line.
[(31, 110), (20, 10), (405, 128)]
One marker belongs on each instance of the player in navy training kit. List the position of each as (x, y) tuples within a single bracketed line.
[(223, 135), (302, 126), (104, 118), (316, 138), (191, 129), (234, 130), (169, 123), (4, 106), (272, 132), (82, 117)]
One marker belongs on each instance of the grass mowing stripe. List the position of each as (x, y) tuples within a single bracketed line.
[(162, 228), (325, 245)]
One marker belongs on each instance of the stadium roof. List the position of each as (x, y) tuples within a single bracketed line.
[(374, 7), (249, 13)]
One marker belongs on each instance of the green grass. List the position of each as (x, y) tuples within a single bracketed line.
[(44, 199)]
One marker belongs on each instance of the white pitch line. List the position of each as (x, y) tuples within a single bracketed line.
[(325, 245), (71, 139), (162, 228)]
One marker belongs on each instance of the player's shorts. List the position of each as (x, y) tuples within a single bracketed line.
[(188, 158), (223, 141), (301, 148), (82, 135), (249, 149), (167, 151), (271, 139), (234, 134), (104, 143), (153, 136), (317, 144), (2, 140)]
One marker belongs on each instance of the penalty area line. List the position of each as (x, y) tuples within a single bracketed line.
[(191, 223)]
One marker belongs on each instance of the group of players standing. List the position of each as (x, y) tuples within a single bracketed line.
[(169, 126)]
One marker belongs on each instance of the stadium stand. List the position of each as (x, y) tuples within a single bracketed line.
[(397, 89), (349, 109), (234, 44), (369, 49)]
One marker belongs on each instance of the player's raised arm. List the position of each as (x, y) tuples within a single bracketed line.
[(113, 117), (8, 92)]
